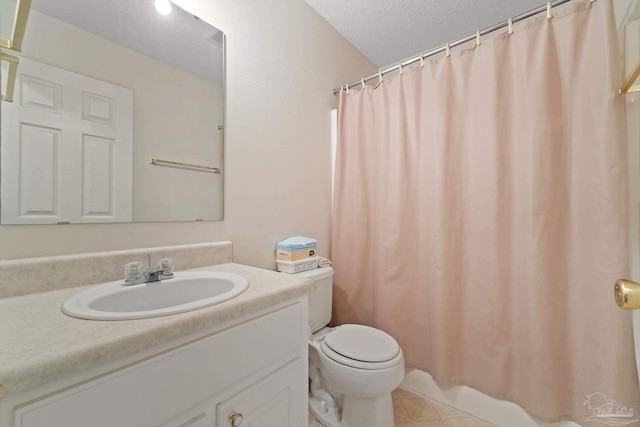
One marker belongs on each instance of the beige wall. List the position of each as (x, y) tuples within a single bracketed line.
[(283, 60)]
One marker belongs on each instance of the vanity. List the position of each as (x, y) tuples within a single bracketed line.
[(240, 362)]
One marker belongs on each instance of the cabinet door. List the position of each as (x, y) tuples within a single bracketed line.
[(279, 400), (201, 416)]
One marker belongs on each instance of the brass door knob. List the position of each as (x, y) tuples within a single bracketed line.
[(627, 294), (235, 418)]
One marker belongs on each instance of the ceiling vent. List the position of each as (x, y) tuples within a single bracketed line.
[(217, 38)]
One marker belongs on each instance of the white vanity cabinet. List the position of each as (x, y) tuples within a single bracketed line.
[(269, 403), (251, 374)]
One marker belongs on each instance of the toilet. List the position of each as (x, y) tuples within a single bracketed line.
[(352, 368)]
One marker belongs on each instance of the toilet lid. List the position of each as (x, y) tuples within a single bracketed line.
[(363, 343)]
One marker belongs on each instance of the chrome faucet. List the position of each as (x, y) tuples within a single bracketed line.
[(153, 274)]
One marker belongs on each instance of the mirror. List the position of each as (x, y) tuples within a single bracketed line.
[(13, 19), (117, 116)]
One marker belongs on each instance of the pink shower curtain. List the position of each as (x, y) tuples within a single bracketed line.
[(480, 215)]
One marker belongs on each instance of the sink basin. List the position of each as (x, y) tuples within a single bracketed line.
[(186, 291)]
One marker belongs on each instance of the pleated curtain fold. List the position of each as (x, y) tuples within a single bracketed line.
[(480, 215)]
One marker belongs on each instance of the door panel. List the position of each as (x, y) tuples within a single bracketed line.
[(38, 173)]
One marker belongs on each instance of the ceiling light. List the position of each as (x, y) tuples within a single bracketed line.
[(163, 6)]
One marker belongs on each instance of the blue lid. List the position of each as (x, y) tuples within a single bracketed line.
[(297, 243)]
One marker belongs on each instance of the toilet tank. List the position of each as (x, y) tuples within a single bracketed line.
[(320, 297)]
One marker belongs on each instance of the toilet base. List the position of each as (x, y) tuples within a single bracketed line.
[(367, 411), (330, 418), (356, 412)]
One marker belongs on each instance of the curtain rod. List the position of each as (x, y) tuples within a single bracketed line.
[(458, 42)]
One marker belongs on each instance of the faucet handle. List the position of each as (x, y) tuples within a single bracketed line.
[(166, 264), (132, 270), (133, 273)]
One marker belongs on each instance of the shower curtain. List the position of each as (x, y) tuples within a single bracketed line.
[(480, 215)]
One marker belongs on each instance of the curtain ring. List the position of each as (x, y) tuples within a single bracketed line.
[(478, 38), (549, 15), (510, 26), (447, 49)]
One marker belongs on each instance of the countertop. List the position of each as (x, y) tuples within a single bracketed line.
[(39, 344)]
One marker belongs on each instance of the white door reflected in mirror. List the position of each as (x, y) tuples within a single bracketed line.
[(75, 149)]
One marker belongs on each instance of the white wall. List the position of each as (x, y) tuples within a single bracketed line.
[(283, 60)]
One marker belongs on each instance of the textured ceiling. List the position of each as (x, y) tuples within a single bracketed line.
[(388, 31), (385, 31), (178, 39)]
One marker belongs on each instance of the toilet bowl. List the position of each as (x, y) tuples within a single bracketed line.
[(357, 372), (353, 368)]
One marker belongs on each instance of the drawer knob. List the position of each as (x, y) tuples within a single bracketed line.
[(235, 418)]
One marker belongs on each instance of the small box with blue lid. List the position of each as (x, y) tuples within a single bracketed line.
[(296, 254)]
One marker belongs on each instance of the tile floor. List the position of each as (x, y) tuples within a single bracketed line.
[(413, 410)]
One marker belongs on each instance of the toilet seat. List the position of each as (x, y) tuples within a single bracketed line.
[(362, 347)]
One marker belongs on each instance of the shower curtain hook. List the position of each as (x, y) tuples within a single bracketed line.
[(362, 83), (401, 71), (447, 49), (510, 26), (421, 61), (347, 85), (549, 15), (379, 79), (478, 38)]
